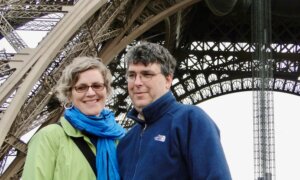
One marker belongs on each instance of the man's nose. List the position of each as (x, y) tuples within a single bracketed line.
[(138, 79)]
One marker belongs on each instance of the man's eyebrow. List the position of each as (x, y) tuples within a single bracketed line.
[(130, 72), (143, 71)]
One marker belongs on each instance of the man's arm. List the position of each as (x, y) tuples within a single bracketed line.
[(204, 152)]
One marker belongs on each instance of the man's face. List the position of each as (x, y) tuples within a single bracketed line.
[(146, 84)]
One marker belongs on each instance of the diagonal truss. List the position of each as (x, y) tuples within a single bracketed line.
[(214, 57)]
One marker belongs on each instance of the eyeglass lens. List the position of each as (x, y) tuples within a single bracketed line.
[(95, 87)]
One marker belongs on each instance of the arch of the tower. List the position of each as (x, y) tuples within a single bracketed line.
[(213, 52)]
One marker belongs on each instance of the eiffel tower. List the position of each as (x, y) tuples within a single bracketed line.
[(211, 40)]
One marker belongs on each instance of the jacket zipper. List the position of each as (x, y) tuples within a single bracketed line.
[(140, 143), (143, 130)]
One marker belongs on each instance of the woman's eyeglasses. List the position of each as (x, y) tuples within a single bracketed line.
[(84, 88)]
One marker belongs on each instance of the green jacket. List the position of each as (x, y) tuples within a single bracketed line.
[(52, 155)]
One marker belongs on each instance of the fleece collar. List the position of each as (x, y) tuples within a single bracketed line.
[(154, 110)]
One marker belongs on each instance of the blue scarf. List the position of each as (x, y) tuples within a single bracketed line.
[(107, 130)]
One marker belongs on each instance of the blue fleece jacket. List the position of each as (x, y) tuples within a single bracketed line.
[(175, 141)]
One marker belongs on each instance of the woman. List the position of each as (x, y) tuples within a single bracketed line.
[(52, 154)]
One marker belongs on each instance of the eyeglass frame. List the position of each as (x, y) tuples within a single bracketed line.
[(86, 87), (144, 76)]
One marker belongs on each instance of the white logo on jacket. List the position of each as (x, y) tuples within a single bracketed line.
[(161, 138)]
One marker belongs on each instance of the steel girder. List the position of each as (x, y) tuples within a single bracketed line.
[(214, 57), (29, 89)]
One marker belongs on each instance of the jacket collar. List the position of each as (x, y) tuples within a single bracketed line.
[(154, 110), (72, 132), (69, 129)]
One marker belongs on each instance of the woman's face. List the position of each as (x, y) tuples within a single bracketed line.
[(88, 93)]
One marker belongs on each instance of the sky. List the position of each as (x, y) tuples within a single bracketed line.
[(233, 115)]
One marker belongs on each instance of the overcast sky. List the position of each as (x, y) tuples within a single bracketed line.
[(233, 115)]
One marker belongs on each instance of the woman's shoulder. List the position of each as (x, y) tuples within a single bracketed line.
[(51, 129), (50, 133)]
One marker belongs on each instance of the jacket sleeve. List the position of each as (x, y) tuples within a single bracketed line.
[(202, 147), (41, 155)]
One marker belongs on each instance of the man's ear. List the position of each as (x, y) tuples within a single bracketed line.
[(169, 80)]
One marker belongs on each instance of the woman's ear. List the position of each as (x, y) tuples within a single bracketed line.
[(68, 105)]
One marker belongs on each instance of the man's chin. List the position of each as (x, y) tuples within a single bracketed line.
[(139, 106)]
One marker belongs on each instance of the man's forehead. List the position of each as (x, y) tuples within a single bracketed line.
[(151, 66)]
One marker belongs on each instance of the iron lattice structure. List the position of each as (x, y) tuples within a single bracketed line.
[(211, 41), (263, 110)]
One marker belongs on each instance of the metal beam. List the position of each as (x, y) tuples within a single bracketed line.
[(11, 36), (38, 62), (108, 55)]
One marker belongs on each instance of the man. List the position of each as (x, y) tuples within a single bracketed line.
[(170, 140)]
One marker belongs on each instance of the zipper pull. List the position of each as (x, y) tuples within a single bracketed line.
[(143, 130), (145, 127)]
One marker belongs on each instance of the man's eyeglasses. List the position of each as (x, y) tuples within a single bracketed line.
[(84, 88), (144, 76)]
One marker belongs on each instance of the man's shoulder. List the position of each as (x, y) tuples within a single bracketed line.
[(185, 113), (186, 108)]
